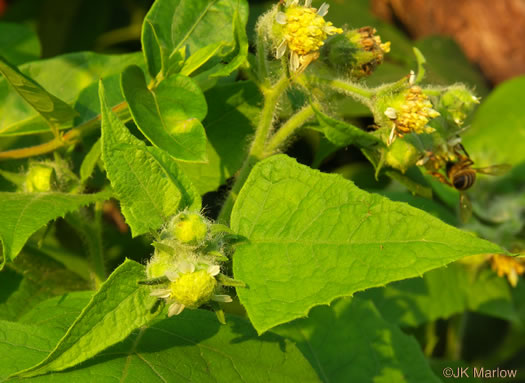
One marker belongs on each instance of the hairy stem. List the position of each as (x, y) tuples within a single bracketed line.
[(288, 129), (257, 149), (345, 87)]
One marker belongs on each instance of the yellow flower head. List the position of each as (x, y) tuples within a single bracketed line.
[(304, 32), (190, 286), (511, 267), (411, 114)]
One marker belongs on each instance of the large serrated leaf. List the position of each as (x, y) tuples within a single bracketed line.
[(147, 180), (351, 342), (22, 214), (168, 115), (191, 347), (313, 237), (174, 24), (118, 308)]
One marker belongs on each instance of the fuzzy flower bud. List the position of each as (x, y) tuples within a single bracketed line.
[(190, 228), (40, 178), (457, 103), (355, 53), (302, 30)]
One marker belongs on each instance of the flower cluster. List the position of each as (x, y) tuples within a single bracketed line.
[(187, 263), (511, 267), (304, 30), (410, 113)]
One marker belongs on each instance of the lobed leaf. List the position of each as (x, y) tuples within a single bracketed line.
[(147, 181), (168, 115), (24, 213), (313, 237)]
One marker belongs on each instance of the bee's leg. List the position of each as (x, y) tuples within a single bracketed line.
[(441, 178)]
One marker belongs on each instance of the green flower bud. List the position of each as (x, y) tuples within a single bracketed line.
[(457, 103), (190, 228), (355, 53), (402, 155), (193, 289), (40, 178)]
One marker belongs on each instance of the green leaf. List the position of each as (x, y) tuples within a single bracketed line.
[(90, 161), (239, 28), (25, 213), (498, 129), (173, 24), (147, 180), (191, 347), (442, 293), (55, 111), (232, 116), (351, 342), (313, 237), (118, 308), (343, 134), (169, 115), (18, 43), (66, 77)]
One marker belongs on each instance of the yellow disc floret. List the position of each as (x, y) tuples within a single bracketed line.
[(193, 289)]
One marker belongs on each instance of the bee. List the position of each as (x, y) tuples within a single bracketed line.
[(461, 176)]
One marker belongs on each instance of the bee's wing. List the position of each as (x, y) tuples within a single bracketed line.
[(495, 170), (465, 207)]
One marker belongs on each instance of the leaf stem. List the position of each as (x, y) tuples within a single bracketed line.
[(345, 87), (257, 150), (70, 138), (262, 65), (288, 129)]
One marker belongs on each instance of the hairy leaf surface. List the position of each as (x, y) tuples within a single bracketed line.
[(313, 237), (147, 181)]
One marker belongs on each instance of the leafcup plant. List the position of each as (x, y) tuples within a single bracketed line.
[(157, 130)]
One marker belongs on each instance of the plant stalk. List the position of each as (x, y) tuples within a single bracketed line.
[(257, 150)]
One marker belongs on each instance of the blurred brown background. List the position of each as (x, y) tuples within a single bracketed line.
[(491, 32)]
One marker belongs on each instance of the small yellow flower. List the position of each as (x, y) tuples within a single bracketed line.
[(412, 114), (190, 227), (304, 32), (190, 286), (512, 267)]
